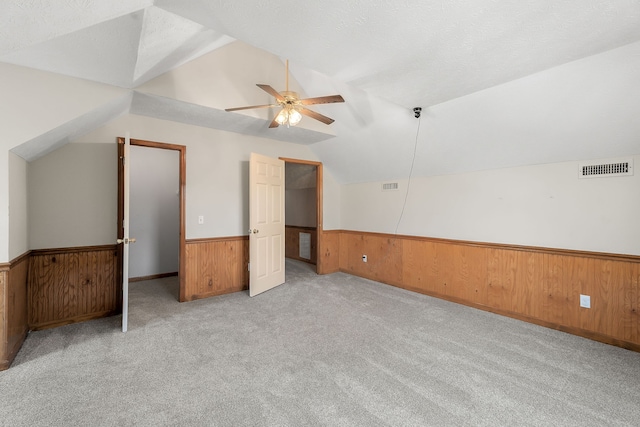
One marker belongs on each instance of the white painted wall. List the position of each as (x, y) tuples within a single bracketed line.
[(217, 171), (4, 206), (331, 200), (154, 211), (72, 197), (300, 207), (543, 205), (18, 207)]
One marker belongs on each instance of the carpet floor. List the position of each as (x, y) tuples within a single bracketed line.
[(334, 350)]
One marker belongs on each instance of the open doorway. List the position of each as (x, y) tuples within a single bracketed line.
[(303, 211), (154, 213), (149, 266)]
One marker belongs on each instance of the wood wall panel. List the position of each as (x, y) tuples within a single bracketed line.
[(216, 266), (470, 272), (416, 265), (72, 285), (16, 305), (539, 285), (292, 243), (13, 308), (553, 305), (529, 284), (383, 257), (329, 257), (4, 357)]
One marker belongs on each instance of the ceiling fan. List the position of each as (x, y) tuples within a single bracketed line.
[(292, 106)]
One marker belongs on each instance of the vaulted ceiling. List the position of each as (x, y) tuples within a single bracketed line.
[(501, 83)]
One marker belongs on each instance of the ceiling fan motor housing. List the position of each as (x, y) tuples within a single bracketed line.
[(290, 97)]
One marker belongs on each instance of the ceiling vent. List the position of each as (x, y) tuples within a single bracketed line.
[(389, 186), (599, 169)]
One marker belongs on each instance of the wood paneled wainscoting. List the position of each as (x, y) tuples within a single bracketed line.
[(329, 252), (537, 285), (215, 266), (72, 285), (13, 308), (292, 242)]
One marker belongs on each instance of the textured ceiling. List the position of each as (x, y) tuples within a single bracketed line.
[(384, 57), (423, 52)]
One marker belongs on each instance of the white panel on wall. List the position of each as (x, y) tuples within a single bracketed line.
[(18, 213), (300, 207), (154, 211), (72, 197), (543, 205), (4, 207)]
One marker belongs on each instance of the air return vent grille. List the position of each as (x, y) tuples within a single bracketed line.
[(389, 186), (606, 168)]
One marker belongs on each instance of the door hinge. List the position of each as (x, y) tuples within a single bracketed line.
[(249, 266)]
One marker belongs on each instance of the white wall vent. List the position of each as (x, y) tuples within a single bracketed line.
[(599, 169), (304, 251), (389, 186)]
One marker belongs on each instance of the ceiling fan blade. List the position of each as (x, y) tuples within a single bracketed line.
[(252, 106), (271, 91), (274, 123), (322, 100), (324, 119)]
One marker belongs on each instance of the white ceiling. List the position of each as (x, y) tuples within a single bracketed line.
[(384, 57)]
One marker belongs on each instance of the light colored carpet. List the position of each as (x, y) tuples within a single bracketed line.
[(332, 350)]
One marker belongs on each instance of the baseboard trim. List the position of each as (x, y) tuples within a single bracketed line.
[(92, 316), (153, 276), (215, 293), (308, 261), (11, 354)]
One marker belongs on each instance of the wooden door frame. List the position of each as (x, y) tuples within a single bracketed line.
[(181, 197), (319, 206)]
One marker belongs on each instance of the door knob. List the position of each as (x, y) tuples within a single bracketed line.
[(126, 240)]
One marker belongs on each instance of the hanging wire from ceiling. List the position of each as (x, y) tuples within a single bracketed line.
[(417, 111)]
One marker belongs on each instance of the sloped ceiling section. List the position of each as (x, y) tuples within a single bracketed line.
[(34, 104), (496, 79), (27, 23), (423, 52), (60, 135), (194, 114), (124, 51)]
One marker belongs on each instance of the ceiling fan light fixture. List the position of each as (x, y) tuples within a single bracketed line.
[(292, 107), (294, 117), (288, 116)]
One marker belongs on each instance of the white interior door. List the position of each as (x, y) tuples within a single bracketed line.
[(126, 240), (266, 223)]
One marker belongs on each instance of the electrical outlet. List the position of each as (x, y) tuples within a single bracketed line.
[(201, 219), (364, 258), (585, 301)]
